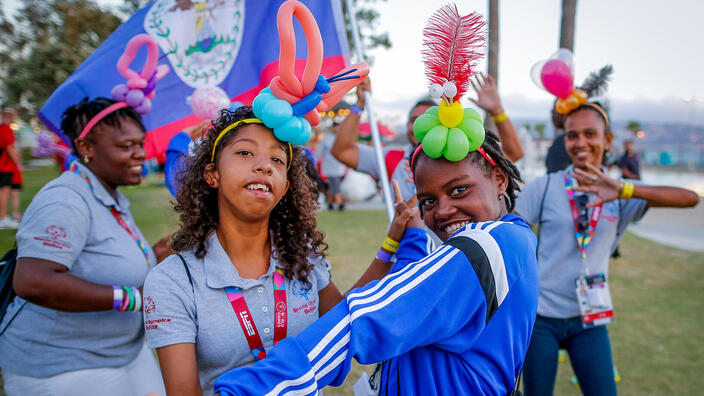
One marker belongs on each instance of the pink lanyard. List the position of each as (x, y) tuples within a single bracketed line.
[(75, 169), (234, 294), (583, 237)]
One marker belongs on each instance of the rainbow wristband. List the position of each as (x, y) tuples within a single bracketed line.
[(390, 245), (117, 296), (130, 296), (384, 256)]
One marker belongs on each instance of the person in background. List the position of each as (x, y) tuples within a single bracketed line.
[(75, 327), (15, 188), (363, 158), (180, 147), (557, 158), (333, 169), (629, 162), (582, 214), (9, 161)]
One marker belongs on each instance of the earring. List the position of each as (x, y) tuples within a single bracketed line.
[(86, 160)]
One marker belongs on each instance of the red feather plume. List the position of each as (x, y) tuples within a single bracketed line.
[(452, 47)]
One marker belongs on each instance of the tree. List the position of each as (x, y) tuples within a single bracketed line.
[(44, 44), (633, 126), (494, 40), (540, 128), (569, 10)]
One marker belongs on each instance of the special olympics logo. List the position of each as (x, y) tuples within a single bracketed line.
[(202, 38), (56, 232), (149, 306), (281, 306)]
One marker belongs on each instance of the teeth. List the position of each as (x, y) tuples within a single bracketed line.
[(453, 228), (258, 187)]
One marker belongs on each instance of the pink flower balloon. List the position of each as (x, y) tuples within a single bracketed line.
[(207, 102), (557, 78)]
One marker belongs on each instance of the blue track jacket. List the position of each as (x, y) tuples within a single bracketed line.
[(457, 321)]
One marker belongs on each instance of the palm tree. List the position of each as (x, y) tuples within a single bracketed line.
[(569, 9), (494, 40)]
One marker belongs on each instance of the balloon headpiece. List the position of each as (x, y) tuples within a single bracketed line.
[(138, 93), (556, 75), (452, 46), (291, 106)]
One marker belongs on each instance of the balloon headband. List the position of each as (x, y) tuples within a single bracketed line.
[(480, 150), (556, 75), (138, 93), (453, 45), (291, 106), (241, 122)]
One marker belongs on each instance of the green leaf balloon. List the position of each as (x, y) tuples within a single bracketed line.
[(472, 114), (433, 110), (457, 145), (474, 131), (434, 141), (423, 124)]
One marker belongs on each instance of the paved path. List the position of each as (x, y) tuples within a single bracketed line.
[(680, 228)]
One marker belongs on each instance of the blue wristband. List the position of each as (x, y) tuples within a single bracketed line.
[(356, 109), (384, 256)]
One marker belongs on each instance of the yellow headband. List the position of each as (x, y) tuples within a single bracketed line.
[(598, 109), (238, 123)]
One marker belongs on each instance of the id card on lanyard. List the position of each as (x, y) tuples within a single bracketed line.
[(592, 290), (244, 316)]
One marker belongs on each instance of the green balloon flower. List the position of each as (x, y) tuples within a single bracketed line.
[(449, 131)]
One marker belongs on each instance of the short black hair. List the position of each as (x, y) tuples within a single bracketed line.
[(424, 101), (75, 117)]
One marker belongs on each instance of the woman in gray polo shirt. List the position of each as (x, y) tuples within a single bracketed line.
[(581, 203), (74, 329), (252, 266)]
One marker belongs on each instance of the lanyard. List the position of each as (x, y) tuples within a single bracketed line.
[(584, 237), (234, 294), (75, 169)]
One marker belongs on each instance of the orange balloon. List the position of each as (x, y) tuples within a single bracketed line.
[(561, 107), (581, 95), (571, 102)]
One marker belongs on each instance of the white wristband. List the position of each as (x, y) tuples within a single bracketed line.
[(137, 300), (118, 296)]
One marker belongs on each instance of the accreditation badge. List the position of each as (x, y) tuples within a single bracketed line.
[(594, 300)]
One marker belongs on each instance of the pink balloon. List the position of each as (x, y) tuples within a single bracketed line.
[(207, 102), (557, 78)]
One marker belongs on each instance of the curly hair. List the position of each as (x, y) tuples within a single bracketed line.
[(292, 222), (492, 146)]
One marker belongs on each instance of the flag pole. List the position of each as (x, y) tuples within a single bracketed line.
[(373, 127)]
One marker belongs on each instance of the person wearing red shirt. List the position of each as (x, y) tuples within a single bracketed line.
[(9, 161)]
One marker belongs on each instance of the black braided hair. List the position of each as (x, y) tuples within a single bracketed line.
[(77, 116), (492, 147)]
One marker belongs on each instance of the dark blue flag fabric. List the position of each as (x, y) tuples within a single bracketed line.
[(232, 44)]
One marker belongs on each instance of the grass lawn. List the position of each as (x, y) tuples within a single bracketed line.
[(658, 293)]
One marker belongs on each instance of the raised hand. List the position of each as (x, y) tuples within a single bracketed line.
[(487, 95), (597, 182), (407, 214)]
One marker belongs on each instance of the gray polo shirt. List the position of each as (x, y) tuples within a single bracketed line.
[(367, 164), (331, 167), (68, 222), (559, 256), (175, 313)]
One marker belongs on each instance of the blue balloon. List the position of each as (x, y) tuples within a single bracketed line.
[(235, 105), (307, 103), (304, 134), (259, 102), (289, 130), (275, 113)]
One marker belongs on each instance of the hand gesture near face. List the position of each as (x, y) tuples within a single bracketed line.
[(597, 182), (407, 215)]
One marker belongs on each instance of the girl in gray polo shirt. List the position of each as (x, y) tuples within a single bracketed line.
[(251, 268)]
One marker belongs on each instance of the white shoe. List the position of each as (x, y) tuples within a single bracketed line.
[(8, 223)]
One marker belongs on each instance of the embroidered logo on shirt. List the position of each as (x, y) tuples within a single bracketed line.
[(56, 237), (149, 306), (301, 289), (307, 308)]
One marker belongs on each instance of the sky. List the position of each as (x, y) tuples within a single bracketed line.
[(655, 47)]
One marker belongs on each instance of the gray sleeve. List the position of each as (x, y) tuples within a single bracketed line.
[(530, 199), (367, 161), (321, 272), (55, 227), (169, 308), (631, 211)]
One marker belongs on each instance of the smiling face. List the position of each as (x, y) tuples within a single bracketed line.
[(116, 154), (250, 173), (453, 194), (586, 138)]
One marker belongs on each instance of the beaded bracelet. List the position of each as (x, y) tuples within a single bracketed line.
[(117, 296), (390, 245), (383, 256)]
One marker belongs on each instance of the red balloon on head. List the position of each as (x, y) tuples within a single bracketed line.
[(557, 78)]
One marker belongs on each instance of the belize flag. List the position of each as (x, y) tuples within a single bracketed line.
[(232, 44)]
